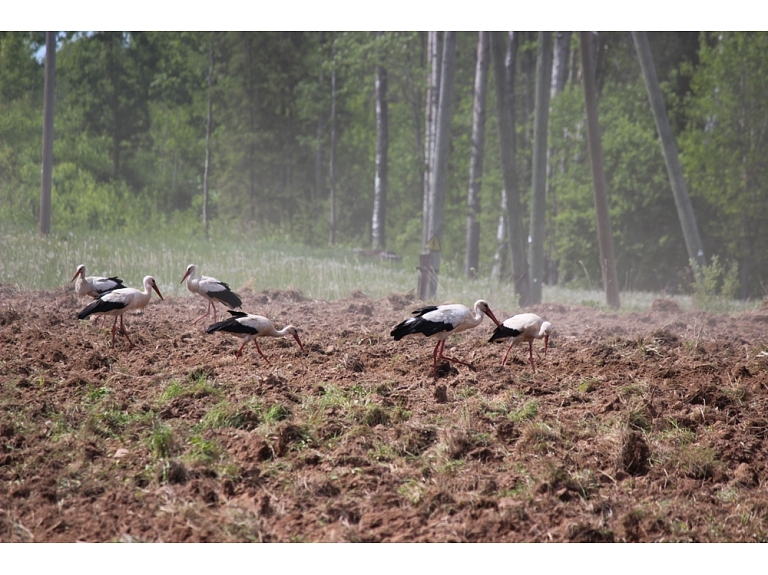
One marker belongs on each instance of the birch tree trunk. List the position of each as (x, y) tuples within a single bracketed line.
[(669, 149), (505, 121), (560, 74), (476, 159), (208, 139), (560, 62), (47, 168), (539, 171), (435, 52), (438, 179), (379, 221), (503, 249), (604, 234), (332, 159), (319, 147)]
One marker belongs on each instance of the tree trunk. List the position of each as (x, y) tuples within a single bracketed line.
[(319, 150), (500, 258), (476, 159), (441, 147), (47, 167), (503, 248), (505, 119), (379, 222), (434, 48), (208, 140), (561, 72), (669, 149), (332, 159), (539, 171), (604, 235), (251, 130), (560, 62)]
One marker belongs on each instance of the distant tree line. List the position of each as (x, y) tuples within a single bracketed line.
[(320, 136)]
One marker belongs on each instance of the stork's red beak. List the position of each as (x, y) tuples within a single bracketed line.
[(296, 337), (546, 344), (154, 287), (77, 273), (489, 313), (185, 276)]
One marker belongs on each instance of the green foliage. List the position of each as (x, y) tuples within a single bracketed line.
[(130, 144), (714, 285), (725, 146)]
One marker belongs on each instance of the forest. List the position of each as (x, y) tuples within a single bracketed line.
[(279, 135)]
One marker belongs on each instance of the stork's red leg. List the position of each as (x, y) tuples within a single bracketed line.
[(207, 312), (446, 358), (256, 343), (114, 327), (434, 355), (503, 361), (240, 351), (530, 352), (125, 333)]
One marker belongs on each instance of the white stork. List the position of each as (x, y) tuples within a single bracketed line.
[(94, 286), (249, 327), (119, 301), (212, 290), (441, 321), (523, 327)]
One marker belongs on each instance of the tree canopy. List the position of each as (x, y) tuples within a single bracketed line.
[(129, 149)]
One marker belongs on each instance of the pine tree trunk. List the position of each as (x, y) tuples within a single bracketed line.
[(539, 170), (505, 119), (48, 111), (669, 149), (476, 159), (604, 234), (379, 221)]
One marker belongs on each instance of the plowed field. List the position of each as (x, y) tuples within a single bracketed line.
[(635, 427)]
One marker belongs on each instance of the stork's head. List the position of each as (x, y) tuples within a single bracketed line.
[(483, 306), (149, 282), (546, 329), (191, 268), (295, 333), (80, 271)]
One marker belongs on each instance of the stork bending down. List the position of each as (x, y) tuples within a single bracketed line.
[(249, 327), (523, 327), (440, 322)]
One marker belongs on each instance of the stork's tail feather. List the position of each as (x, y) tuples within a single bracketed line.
[(502, 332), (89, 309), (229, 299), (218, 325), (402, 329), (237, 313)]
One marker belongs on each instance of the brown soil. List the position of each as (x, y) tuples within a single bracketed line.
[(635, 427)]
